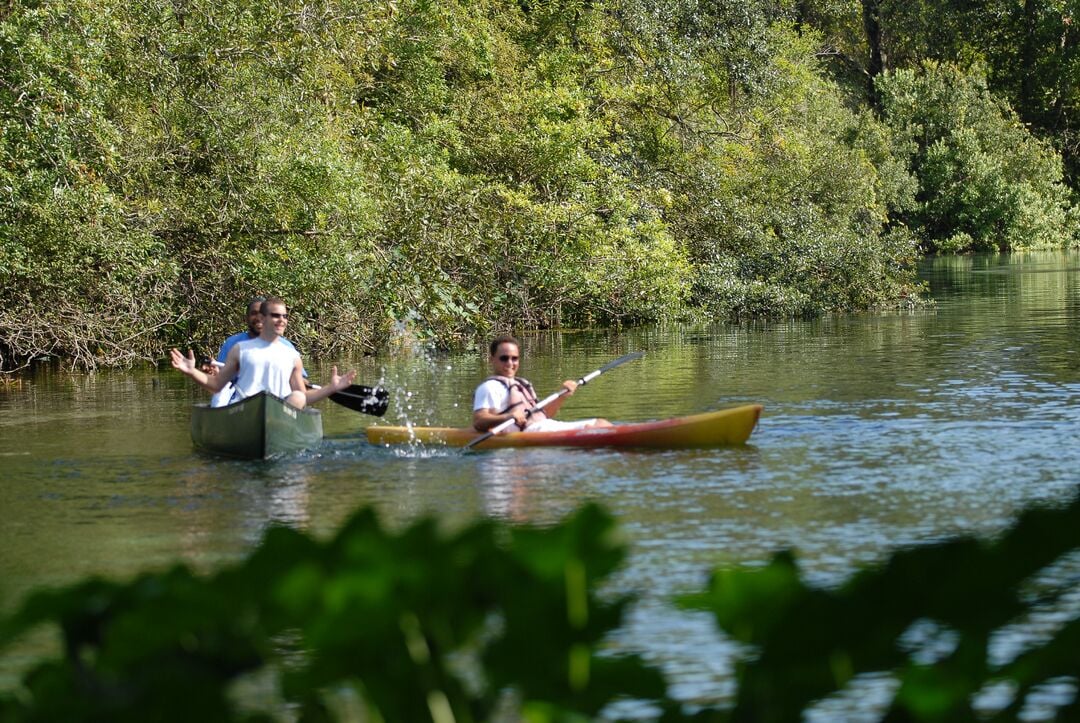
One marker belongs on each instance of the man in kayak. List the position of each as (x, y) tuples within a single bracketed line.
[(505, 395), (254, 328), (265, 363)]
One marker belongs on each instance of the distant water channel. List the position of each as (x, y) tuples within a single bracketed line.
[(880, 431)]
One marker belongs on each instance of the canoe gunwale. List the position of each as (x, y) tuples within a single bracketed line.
[(257, 427)]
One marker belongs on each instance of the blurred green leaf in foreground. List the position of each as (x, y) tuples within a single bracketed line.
[(496, 622)]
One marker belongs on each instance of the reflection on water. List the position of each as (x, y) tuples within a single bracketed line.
[(879, 431), (531, 488)]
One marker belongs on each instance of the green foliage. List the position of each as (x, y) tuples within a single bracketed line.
[(75, 279), (932, 30), (1033, 57), (1029, 53), (462, 165), (492, 620), (446, 617), (984, 182), (768, 178), (813, 642), (468, 166)]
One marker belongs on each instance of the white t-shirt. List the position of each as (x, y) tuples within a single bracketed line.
[(264, 366), (492, 394)]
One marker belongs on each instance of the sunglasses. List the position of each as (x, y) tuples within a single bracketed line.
[(507, 358), (274, 315)]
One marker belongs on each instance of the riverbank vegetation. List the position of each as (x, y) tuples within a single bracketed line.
[(459, 167), (497, 622)]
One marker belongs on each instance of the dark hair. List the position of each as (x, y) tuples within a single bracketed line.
[(255, 300), (504, 339), (268, 302)]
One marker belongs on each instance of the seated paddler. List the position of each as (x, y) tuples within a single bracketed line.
[(264, 363), (254, 320), (504, 395)]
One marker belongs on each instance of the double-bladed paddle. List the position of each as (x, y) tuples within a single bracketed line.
[(548, 400)]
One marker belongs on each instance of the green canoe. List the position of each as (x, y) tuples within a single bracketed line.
[(255, 428)]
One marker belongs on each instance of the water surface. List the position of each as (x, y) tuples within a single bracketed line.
[(880, 431)]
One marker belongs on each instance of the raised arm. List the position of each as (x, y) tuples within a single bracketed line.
[(186, 365), (337, 383), (553, 406)]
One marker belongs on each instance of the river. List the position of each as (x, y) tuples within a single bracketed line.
[(880, 430)]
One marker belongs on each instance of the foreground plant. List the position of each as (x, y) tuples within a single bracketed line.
[(415, 626), (927, 618), (494, 621)]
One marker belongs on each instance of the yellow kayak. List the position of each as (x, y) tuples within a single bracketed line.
[(710, 429)]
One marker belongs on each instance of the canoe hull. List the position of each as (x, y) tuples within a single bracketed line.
[(711, 429), (255, 428)]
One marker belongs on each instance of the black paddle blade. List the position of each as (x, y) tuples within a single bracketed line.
[(366, 400)]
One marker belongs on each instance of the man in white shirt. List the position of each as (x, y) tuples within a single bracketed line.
[(264, 363), (505, 395), (254, 328)]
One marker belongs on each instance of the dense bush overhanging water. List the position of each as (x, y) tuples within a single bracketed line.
[(460, 167), (429, 625)]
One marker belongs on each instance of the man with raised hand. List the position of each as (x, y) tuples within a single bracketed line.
[(264, 363), (254, 328)]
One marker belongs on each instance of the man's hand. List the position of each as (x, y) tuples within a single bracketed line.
[(343, 381), (569, 385), (519, 414), (185, 364)]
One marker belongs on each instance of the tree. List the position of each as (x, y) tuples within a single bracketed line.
[(984, 182)]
